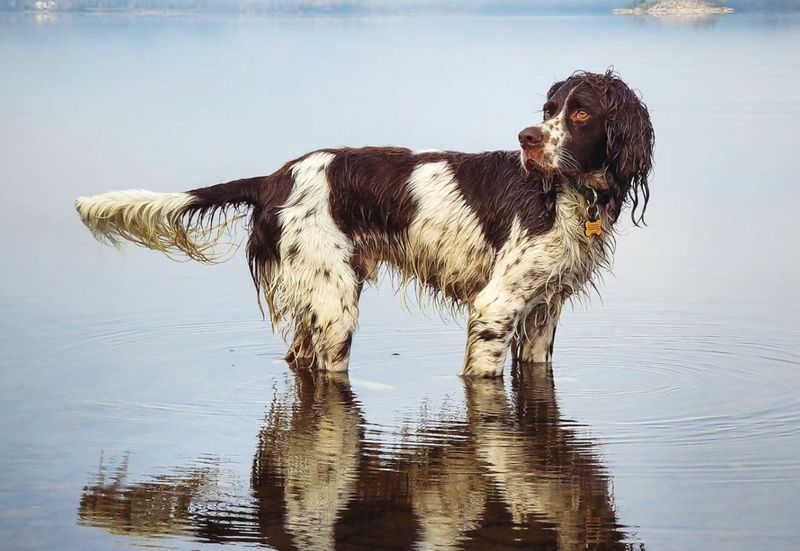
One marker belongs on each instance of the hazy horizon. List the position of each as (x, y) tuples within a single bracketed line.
[(355, 7)]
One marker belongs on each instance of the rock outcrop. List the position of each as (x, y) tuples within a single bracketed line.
[(675, 8)]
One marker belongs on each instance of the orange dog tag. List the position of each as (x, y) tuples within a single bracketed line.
[(594, 227)]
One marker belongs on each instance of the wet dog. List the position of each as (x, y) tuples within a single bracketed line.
[(507, 235)]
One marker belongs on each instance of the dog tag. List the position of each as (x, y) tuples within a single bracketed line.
[(594, 227)]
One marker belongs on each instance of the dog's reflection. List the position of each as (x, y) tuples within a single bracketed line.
[(507, 474), (307, 462)]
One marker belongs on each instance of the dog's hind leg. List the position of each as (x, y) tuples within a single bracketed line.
[(301, 351), (325, 312), (326, 316), (318, 286), (333, 320)]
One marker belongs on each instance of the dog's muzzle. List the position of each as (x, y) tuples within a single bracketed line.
[(532, 141)]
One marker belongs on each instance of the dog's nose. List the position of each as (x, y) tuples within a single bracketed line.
[(531, 137)]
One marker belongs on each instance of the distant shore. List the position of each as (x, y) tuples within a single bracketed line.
[(675, 8)]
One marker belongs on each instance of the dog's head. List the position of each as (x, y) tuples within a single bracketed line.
[(594, 125)]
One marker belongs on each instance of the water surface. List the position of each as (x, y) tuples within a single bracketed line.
[(144, 402)]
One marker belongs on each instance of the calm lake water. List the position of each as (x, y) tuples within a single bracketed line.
[(144, 402)]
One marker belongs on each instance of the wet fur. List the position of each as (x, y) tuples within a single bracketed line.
[(484, 232)]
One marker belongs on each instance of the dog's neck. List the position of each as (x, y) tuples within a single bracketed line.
[(599, 188), (594, 187)]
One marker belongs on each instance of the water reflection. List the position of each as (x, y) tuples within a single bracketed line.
[(165, 505), (507, 472), (696, 21), (675, 20)]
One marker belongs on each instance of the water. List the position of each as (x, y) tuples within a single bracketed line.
[(144, 402)]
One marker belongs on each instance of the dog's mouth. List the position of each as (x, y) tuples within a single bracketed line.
[(537, 158)]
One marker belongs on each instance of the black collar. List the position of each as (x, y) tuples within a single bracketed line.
[(592, 196)]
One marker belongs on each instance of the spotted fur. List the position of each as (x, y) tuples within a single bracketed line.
[(499, 234)]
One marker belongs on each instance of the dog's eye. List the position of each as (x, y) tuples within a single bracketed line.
[(547, 114), (581, 116)]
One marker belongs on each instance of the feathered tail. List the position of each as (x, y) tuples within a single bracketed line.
[(190, 224)]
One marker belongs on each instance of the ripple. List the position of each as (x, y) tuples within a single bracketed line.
[(122, 332), (690, 391)]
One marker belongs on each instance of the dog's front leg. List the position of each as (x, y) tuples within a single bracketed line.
[(534, 342), (492, 321)]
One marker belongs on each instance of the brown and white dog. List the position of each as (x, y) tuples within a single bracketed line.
[(500, 233)]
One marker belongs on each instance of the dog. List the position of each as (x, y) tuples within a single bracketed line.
[(507, 235)]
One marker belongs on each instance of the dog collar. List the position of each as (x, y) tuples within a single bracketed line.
[(592, 196), (593, 225)]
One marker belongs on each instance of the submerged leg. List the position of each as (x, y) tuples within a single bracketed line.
[(332, 320), (318, 285), (522, 276), (534, 343), (492, 322), (301, 351)]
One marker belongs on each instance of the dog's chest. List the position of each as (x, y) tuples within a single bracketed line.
[(567, 256)]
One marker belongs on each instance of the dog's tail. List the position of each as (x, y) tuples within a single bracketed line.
[(189, 224)]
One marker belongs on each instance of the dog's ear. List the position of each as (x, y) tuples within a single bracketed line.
[(630, 145)]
